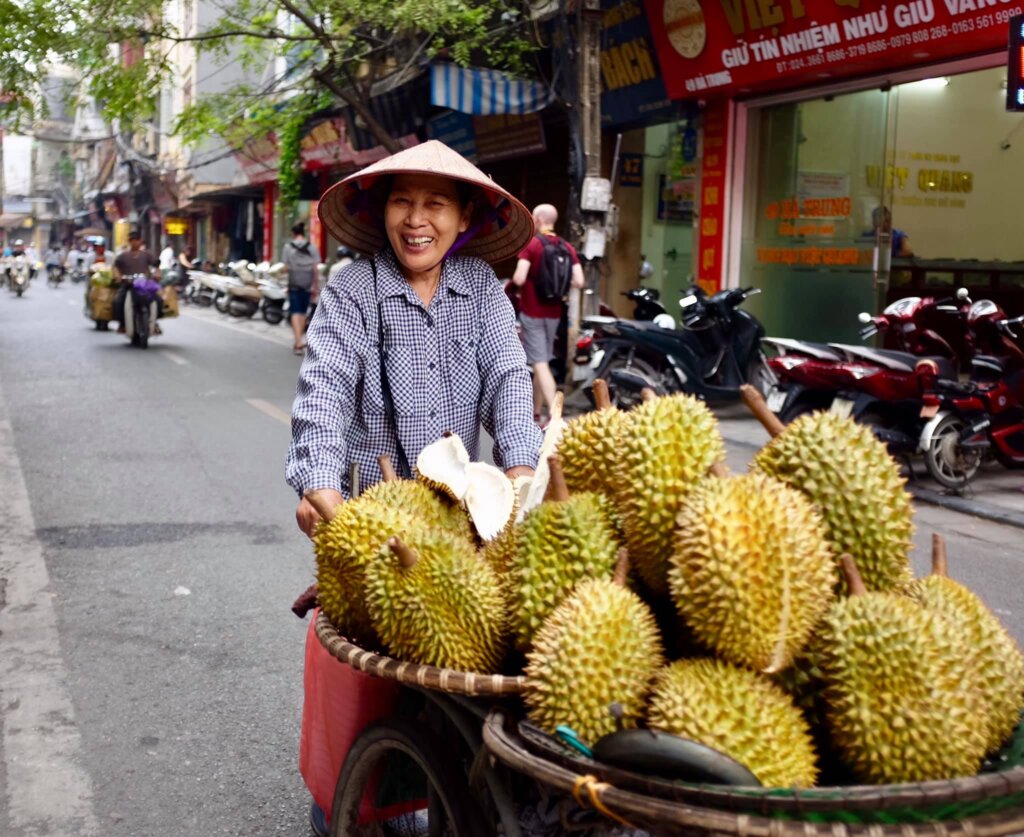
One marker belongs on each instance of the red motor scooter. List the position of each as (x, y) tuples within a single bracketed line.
[(876, 386), (967, 421)]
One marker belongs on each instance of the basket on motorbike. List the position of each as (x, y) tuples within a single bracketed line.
[(989, 804), (170, 298), (101, 303)]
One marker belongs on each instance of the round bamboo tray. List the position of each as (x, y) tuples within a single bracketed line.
[(414, 674), (983, 806)]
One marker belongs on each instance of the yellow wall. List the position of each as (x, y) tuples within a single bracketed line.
[(966, 119)]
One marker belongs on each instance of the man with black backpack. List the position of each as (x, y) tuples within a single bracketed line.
[(301, 258), (547, 268)]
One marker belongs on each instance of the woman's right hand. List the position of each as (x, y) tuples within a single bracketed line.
[(306, 514)]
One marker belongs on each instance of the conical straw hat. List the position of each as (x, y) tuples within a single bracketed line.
[(353, 213)]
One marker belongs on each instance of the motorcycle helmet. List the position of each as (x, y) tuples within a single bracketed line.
[(343, 252)]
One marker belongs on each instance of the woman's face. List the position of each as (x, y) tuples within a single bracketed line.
[(423, 217)]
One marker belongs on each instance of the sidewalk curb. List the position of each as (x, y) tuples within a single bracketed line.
[(986, 511), (965, 506)]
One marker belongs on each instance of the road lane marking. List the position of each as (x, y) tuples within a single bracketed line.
[(285, 339), (178, 359), (270, 409), (46, 783)]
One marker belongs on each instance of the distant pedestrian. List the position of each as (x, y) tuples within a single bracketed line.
[(300, 257), (546, 269)]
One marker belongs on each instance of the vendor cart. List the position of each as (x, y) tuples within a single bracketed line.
[(480, 765)]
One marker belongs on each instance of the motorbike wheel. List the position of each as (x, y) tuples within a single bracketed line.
[(204, 299), (222, 302), (627, 400), (273, 314), (142, 327), (948, 463), (800, 407), (19, 290)]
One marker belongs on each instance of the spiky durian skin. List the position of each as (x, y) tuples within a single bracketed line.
[(666, 447), (998, 660), (599, 647), (343, 548), (739, 712), (499, 552), (589, 450), (752, 573), (423, 504), (858, 489), (446, 610), (559, 544), (901, 696)]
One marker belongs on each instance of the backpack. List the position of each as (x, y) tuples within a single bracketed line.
[(554, 273), (301, 264)]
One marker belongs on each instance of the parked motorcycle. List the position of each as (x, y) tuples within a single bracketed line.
[(875, 386), (965, 421), (590, 350), (274, 289), (715, 350), (140, 310)]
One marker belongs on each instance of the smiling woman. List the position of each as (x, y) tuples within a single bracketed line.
[(419, 338)]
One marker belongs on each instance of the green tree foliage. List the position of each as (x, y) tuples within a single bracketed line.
[(336, 51)]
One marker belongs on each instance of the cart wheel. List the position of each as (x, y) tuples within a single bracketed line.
[(398, 745)]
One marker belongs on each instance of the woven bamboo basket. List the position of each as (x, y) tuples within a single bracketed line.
[(984, 806), (414, 674)]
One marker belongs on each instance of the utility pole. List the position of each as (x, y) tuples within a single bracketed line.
[(590, 195)]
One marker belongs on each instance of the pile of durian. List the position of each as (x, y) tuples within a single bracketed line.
[(770, 615)]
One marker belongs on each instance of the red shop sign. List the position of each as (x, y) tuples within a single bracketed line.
[(707, 47)]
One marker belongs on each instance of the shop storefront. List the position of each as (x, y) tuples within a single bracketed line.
[(830, 184)]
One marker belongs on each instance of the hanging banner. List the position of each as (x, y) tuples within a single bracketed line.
[(711, 236), (710, 47), (632, 89)]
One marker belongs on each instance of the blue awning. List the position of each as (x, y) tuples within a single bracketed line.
[(485, 92)]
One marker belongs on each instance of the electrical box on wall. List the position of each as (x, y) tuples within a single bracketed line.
[(1015, 66), (596, 194)]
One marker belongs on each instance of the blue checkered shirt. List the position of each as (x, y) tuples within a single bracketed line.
[(453, 365)]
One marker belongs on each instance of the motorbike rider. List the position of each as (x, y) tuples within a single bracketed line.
[(135, 260), (54, 258)]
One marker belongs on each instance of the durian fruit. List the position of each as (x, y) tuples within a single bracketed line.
[(737, 712), (752, 573), (432, 601), (344, 546), (857, 486), (589, 448), (560, 543), (998, 660), (487, 494), (442, 466), (666, 447), (538, 488), (419, 501), (599, 647), (902, 698)]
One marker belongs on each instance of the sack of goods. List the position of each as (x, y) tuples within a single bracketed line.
[(170, 298), (772, 616), (101, 302)]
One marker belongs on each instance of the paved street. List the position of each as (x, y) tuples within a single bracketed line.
[(150, 668)]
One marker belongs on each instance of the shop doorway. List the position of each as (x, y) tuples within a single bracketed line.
[(815, 202)]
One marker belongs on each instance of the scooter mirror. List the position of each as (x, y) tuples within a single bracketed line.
[(864, 317), (664, 321), (962, 293)]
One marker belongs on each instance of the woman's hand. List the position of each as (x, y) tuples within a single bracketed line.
[(519, 471), (306, 514)]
